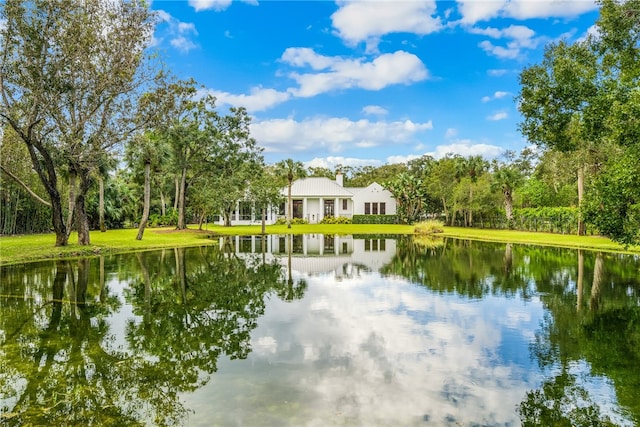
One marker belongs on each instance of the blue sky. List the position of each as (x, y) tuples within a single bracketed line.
[(368, 82)]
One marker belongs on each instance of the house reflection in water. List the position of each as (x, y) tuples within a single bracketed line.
[(316, 254)]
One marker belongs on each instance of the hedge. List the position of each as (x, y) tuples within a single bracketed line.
[(374, 219)]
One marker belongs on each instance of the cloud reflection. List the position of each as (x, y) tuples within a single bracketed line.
[(374, 350)]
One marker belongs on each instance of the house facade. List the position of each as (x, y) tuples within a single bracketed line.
[(316, 198)]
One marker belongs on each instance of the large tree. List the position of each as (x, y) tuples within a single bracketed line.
[(562, 105), (69, 74)]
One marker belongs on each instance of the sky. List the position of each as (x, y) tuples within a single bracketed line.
[(368, 82)]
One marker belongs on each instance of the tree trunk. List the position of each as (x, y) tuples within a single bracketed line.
[(163, 203), (263, 221), (82, 221), (446, 212), (201, 217), (580, 280), (103, 228), (508, 207), (581, 226), (470, 202), (289, 207), (176, 197), (46, 171), (147, 200), (594, 300), (181, 200), (72, 200)]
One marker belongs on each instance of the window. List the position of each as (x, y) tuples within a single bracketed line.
[(245, 211), (297, 209), (367, 245), (344, 204), (367, 208), (329, 244), (375, 208), (328, 208), (383, 209), (383, 244), (282, 209), (374, 245)]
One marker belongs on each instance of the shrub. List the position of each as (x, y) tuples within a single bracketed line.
[(294, 221), (430, 226), (335, 220), (374, 219)]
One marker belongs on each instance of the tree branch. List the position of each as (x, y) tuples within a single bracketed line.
[(23, 185)]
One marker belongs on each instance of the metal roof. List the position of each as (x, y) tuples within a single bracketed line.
[(320, 187)]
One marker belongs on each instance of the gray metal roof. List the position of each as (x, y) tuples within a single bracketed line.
[(321, 187)]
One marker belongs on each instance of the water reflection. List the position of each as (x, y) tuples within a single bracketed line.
[(324, 330), (63, 362)]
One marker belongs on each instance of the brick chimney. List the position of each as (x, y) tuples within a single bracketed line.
[(339, 180)]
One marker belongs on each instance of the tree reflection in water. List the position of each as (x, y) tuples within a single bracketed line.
[(60, 363), (598, 324)]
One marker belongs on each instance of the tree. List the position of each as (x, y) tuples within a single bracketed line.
[(440, 183), (472, 167), (562, 104), (264, 192), (70, 71), (149, 149), (291, 170), (408, 190), (507, 177)]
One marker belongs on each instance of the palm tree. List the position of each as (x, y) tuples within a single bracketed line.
[(507, 178), (292, 170)]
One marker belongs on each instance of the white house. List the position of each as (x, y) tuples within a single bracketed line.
[(316, 198)]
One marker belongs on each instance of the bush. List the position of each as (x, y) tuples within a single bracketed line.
[(335, 220), (430, 226), (374, 219), (294, 221)]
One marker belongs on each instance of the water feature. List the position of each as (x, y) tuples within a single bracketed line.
[(323, 330)]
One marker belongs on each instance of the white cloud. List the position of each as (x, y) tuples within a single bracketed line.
[(333, 134), (259, 99), (183, 44), (496, 95), (518, 37), (367, 21), (332, 161), (388, 69), (402, 159), (450, 133), (497, 72), (375, 110), (501, 115), (467, 147), (216, 5), (474, 11), (179, 33)]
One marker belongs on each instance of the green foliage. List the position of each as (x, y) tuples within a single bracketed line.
[(335, 220), (616, 213), (374, 219), (553, 219), (430, 226), (294, 221), (170, 219)]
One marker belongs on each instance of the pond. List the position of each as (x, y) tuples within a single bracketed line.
[(322, 330)]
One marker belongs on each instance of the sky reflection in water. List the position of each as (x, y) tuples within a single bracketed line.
[(358, 332)]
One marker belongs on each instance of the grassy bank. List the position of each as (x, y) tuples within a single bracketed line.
[(16, 249)]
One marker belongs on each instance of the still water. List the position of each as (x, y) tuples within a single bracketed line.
[(324, 331)]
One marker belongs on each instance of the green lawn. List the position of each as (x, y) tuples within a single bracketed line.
[(16, 249)]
